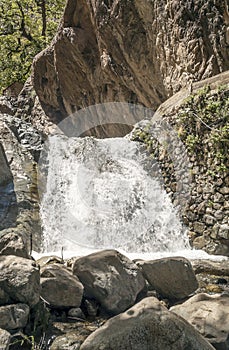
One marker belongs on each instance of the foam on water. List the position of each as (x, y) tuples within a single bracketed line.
[(102, 194)]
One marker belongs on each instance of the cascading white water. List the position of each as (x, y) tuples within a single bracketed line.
[(102, 194)]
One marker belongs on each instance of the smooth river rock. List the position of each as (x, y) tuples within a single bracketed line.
[(147, 325), (209, 314), (172, 277), (59, 287), (19, 281), (110, 278)]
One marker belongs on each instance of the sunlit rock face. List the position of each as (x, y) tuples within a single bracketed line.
[(133, 51)]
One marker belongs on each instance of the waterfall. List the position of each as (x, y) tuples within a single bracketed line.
[(106, 193)]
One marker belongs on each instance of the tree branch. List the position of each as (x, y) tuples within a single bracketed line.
[(23, 30)]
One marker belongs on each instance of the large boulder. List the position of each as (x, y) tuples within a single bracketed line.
[(4, 339), (19, 281), (14, 316), (110, 278), (209, 314), (14, 244), (172, 277), (138, 52), (59, 287), (147, 325)]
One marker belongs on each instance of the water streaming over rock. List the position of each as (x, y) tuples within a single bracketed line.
[(106, 194)]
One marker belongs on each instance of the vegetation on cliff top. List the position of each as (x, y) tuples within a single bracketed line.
[(26, 27), (202, 124)]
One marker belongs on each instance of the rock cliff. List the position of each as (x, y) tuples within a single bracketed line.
[(133, 51)]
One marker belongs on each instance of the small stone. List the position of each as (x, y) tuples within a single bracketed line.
[(209, 219), (201, 208), (224, 190), (68, 341), (224, 231), (198, 227), (91, 307), (212, 288), (190, 215), (14, 316), (48, 260), (218, 198), (76, 313), (217, 206), (5, 338), (208, 189), (209, 210), (215, 230), (218, 214), (219, 182)]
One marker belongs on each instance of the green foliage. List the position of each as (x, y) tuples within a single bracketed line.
[(203, 125), (26, 27)]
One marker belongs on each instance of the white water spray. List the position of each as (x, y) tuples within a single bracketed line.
[(102, 194)]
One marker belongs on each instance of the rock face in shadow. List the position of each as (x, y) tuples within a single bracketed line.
[(5, 173), (19, 207), (133, 51)]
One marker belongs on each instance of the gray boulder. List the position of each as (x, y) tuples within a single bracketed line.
[(172, 277), (147, 325), (14, 244), (59, 287), (110, 278), (209, 314), (4, 339), (69, 341), (14, 316), (19, 281)]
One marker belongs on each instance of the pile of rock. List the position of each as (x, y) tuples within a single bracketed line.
[(193, 179), (107, 301)]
